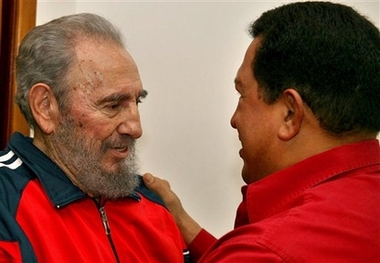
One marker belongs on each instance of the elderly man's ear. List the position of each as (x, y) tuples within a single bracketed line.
[(44, 107)]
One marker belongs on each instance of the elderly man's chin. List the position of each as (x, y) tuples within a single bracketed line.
[(113, 167), (112, 164), (104, 175), (117, 181)]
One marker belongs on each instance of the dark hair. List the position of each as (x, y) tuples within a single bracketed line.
[(330, 54), (48, 51)]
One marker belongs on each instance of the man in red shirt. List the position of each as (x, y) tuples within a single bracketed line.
[(307, 118)]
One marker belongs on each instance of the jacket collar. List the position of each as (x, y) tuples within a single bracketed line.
[(58, 187)]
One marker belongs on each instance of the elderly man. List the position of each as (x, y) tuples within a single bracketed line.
[(71, 193)]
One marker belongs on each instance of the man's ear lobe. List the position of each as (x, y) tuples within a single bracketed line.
[(44, 107), (293, 114)]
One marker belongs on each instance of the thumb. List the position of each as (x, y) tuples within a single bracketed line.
[(148, 178), (162, 188), (157, 185)]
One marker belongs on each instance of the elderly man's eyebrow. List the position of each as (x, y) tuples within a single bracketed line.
[(115, 97), (122, 97)]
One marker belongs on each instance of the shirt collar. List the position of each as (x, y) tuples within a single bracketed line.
[(59, 188), (268, 195)]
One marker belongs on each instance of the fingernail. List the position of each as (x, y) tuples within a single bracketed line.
[(148, 178)]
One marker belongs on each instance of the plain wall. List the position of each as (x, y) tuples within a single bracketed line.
[(188, 54)]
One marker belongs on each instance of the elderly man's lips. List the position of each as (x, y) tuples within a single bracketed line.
[(121, 153)]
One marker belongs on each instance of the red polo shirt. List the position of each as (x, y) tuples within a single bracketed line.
[(323, 209)]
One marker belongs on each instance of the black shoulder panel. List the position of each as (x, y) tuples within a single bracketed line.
[(142, 189)]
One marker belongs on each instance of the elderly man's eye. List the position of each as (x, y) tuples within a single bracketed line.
[(113, 106)]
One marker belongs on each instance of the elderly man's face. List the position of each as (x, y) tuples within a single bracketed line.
[(95, 141)]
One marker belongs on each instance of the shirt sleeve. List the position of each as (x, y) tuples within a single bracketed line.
[(201, 243)]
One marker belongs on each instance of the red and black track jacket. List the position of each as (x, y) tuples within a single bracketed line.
[(45, 218)]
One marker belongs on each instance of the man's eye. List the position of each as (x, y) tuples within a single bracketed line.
[(113, 106)]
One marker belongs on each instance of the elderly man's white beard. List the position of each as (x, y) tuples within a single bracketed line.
[(80, 155)]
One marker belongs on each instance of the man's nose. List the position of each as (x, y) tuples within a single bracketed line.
[(130, 123)]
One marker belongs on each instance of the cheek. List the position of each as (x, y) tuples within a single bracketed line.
[(96, 127), (246, 122), (255, 131), (100, 130), (91, 122)]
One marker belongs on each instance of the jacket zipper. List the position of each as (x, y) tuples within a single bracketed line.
[(103, 215)]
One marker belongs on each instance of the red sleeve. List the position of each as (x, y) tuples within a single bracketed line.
[(203, 241)]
